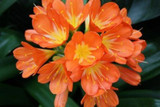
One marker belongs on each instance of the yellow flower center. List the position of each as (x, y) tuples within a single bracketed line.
[(82, 52)]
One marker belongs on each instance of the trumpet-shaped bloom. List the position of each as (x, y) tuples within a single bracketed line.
[(56, 73), (136, 57), (116, 42), (129, 76), (136, 33), (108, 99), (61, 99), (30, 59), (74, 11), (82, 51), (99, 76), (49, 30), (105, 17)]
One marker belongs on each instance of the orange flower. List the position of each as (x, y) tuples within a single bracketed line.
[(30, 59), (56, 73), (61, 99), (116, 42), (136, 57), (49, 30), (108, 99), (126, 19), (105, 17), (136, 33), (42, 9), (129, 76), (74, 11), (83, 49), (99, 76)]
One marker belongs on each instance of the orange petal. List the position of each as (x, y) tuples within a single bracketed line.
[(42, 24), (129, 76), (29, 71), (70, 50), (142, 42), (125, 48), (72, 66), (98, 53), (136, 67), (28, 34), (74, 6), (88, 101), (45, 3), (77, 37), (112, 98), (76, 75), (95, 6), (108, 57), (89, 86), (59, 6), (137, 50), (43, 41), (42, 54), (91, 36), (106, 12), (120, 60), (26, 45), (61, 99), (39, 10), (57, 19), (22, 53), (126, 19), (135, 35), (108, 99), (57, 86), (43, 78), (123, 30), (112, 73)]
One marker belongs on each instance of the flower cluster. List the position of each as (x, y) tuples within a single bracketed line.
[(109, 49)]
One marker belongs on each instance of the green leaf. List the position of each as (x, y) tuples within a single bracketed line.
[(142, 10), (139, 93), (139, 102), (13, 96), (42, 94), (7, 68), (151, 69), (9, 40), (5, 4)]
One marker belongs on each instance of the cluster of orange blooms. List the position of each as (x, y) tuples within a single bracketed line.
[(95, 56)]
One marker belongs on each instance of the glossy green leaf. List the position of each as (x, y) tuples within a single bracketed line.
[(5, 4), (42, 94), (9, 40), (13, 96), (7, 68), (142, 10), (139, 102), (139, 93), (152, 68)]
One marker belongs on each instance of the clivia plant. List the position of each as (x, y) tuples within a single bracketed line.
[(105, 49)]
